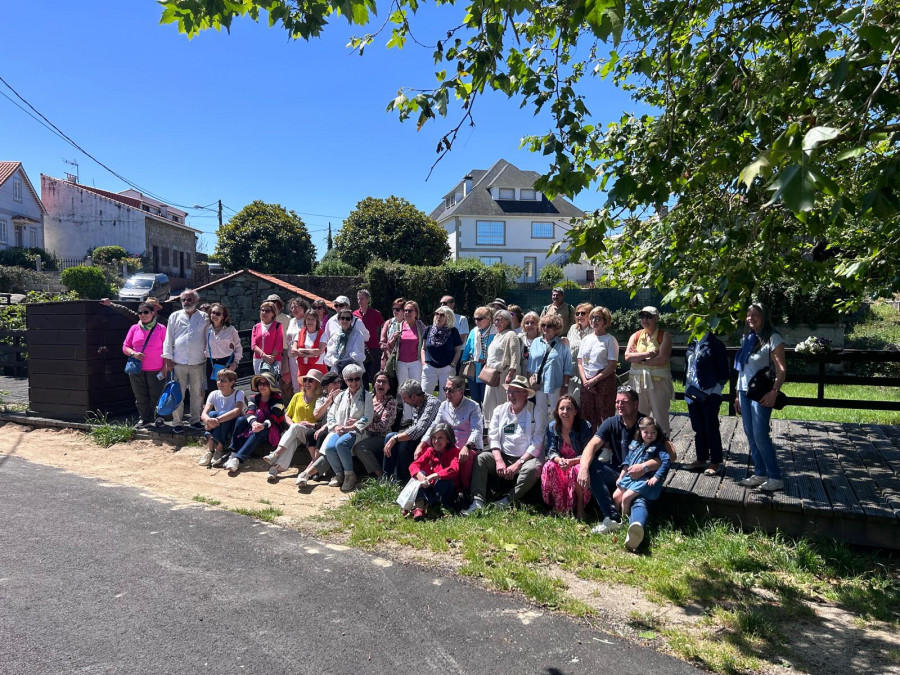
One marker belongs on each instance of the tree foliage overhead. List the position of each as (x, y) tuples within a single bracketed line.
[(267, 238), (390, 229), (774, 137)]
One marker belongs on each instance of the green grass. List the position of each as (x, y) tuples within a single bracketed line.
[(206, 500), (106, 433), (749, 586), (268, 514)]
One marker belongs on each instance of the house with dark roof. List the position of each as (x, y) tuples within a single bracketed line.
[(80, 218), (21, 210), (497, 216)]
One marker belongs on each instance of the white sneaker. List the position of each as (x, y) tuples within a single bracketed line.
[(302, 479), (608, 525), (752, 481), (233, 464), (217, 455), (502, 504), (477, 505), (271, 458), (206, 459), (634, 537), (273, 475), (772, 485), (337, 480), (605, 456)]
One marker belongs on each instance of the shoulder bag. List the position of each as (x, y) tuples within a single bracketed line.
[(132, 365), (216, 367), (762, 383)]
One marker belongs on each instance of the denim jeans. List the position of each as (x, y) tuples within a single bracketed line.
[(397, 465), (705, 423), (443, 492), (250, 443), (339, 451), (603, 482), (756, 427), (222, 433)]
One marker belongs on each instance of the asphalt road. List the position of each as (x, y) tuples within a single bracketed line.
[(97, 578)]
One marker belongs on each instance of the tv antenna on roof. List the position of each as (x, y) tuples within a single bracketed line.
[(70, 177)]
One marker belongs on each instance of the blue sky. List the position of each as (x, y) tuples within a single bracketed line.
[(245, 116)]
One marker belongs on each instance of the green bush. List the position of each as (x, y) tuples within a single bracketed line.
[(88, 282), (334, 268), (469, 281), (17, 279), (106, 255), (790, 303), (25, 258), (568, 285), (551, 275)]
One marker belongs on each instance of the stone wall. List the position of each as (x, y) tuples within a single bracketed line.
[(242, 296)]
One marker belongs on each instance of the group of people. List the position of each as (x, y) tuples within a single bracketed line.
[(519, 400)]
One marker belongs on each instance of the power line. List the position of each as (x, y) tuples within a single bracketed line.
[(59, 132)]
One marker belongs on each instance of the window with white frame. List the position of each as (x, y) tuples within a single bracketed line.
[(490, 233), (4, 235), (17, 189), (541, 230), (507, 193), (490, 260), (528, 195)]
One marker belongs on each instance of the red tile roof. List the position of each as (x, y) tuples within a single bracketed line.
[(312, 297), (7, 169), (129, 201)]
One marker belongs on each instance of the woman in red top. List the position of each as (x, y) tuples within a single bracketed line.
[(267, 341), (309, 346), (437, 470)]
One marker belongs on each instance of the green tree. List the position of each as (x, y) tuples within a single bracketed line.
[(267, 238), (88, 282), (551, 275), (773, 135), (390, 229)]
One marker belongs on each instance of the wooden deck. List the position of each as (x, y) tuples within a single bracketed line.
[(841, 481)]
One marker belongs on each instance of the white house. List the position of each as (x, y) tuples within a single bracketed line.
[(499, 217), (21, 210), (80, 218)]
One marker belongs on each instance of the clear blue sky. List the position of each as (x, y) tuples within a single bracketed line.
[(245, 116)]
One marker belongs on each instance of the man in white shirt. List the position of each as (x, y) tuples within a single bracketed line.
[(517, 440), (185, 352)]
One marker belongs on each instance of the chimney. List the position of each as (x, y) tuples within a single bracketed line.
[(467, 185)]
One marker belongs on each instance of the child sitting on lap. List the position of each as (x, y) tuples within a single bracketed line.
[(650, 445)]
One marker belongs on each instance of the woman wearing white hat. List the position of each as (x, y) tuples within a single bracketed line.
[(648, 352)]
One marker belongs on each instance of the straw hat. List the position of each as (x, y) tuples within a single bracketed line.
[(268, 377), (520, 382)]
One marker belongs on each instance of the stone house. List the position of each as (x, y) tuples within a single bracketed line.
[(80, 218), (243, 291), (21, 210)]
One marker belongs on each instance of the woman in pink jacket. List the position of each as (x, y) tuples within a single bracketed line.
[(144, 342)]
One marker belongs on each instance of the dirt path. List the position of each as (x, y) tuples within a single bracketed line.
[(835, 642)]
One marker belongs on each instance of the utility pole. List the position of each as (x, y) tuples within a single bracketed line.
[(220, 213)]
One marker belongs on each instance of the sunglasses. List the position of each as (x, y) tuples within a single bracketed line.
[(262, 384), (480, 318), (450, 390), (216, 313), (345, 318), (340, 304), (580, 313), (265, 311), (645, 316), (306, 380), (447, 302), (597, 319), (408, 311), (352, 379), (397, 309)]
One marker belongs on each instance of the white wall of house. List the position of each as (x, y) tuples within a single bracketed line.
[(21, 218), (78, 220)]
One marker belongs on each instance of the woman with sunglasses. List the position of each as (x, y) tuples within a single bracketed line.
[(264, 421), (476, 349), (322, 310), (409, 350), (648, 352), (223, 344), (597, 360), (348, 421), (301, 416), (390, 331), (309, 347), (297, 308), (370, 451), (504, 355), (577, 332), (346, 345), (441, 349), (267, 341), (144, 342)]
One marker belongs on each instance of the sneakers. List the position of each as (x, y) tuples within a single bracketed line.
[(349, 482), (634, 537), (695, 466), (608, 525), (772, 485), (196, 425), (502, 504), (418, 514), (233, 464), (273, 475), (302, 479), (337, 480), (159, 422), (477, 505), (271, 458), (206, 459), (752, 481), (178, 429), (605, 456), (219, 459)]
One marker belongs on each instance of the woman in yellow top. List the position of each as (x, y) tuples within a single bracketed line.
[(648, 352)]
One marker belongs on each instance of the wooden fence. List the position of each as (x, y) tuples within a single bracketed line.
[(13, 353)]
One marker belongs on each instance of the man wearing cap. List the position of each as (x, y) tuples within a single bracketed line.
[(185, 353), (372, 320), (561, 308), (333, 325), (516, 441)]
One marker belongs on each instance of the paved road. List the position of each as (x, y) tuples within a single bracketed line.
[(96, 578)]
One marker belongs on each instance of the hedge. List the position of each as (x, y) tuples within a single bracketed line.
[(88, 282)]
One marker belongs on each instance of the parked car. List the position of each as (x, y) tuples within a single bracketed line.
[(143, 285)]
